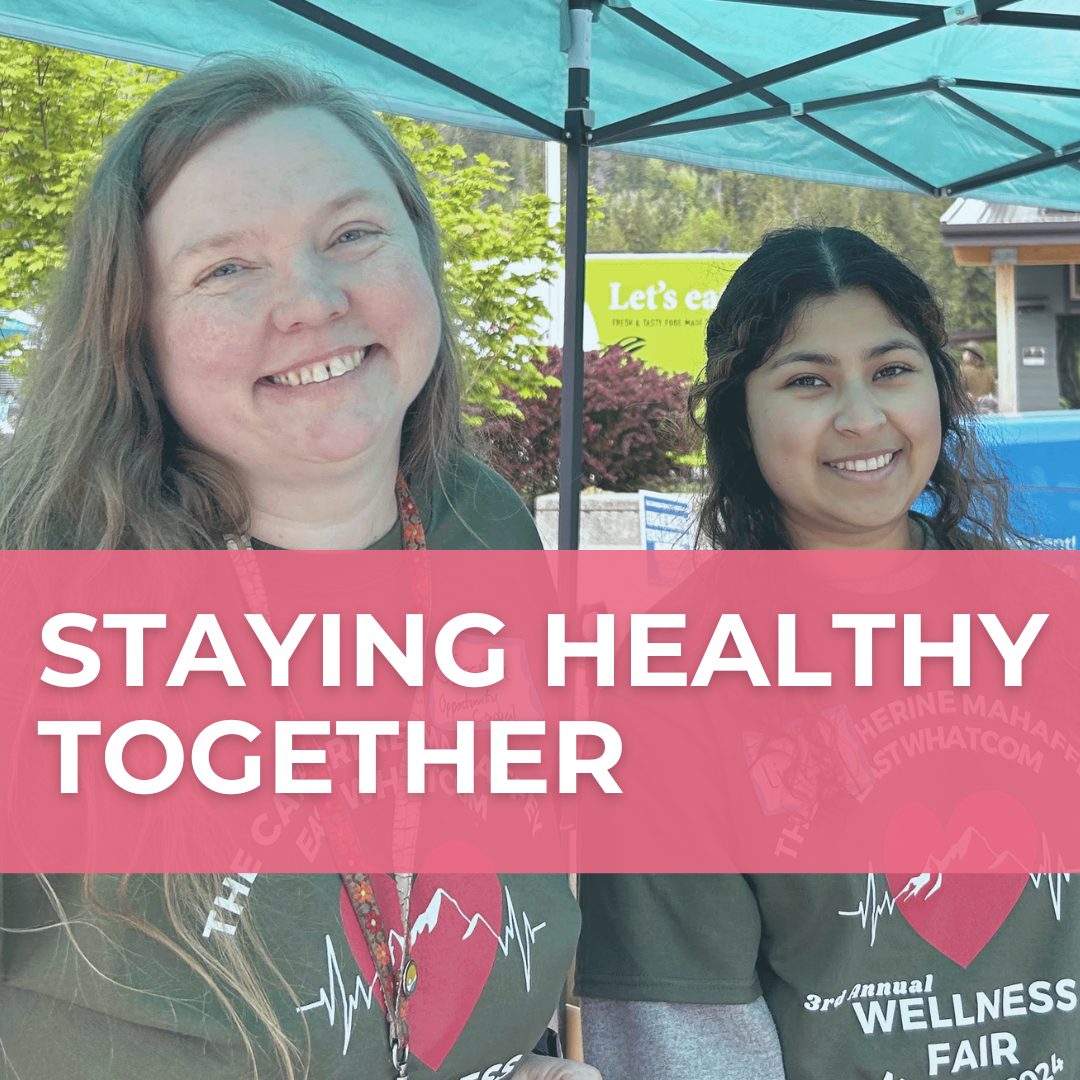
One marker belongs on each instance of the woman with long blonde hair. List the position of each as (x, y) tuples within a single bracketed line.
[(249, 347)]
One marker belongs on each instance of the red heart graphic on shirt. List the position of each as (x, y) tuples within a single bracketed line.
[(957, 885), (459, 919)]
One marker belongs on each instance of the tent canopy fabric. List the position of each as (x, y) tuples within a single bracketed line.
[(911, 96), (978, 98)]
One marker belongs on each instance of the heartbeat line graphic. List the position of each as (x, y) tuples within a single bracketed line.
[(1054, 885), (1054, 881), (869, 910), (328, 999), (334, 996)]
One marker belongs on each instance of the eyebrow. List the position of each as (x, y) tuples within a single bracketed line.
[(828, 360), (216, 241)]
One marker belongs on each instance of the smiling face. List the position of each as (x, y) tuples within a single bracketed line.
[(844, 417), (292, 317)]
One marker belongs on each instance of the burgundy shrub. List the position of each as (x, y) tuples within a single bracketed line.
[(633, 426)]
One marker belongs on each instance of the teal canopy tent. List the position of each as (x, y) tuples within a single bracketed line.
[(979, 98)]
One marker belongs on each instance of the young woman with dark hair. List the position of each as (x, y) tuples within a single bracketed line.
[(828, 407), (830, 283)]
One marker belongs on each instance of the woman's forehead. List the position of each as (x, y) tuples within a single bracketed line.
[(270, 150), (838, 319), (287, 160)]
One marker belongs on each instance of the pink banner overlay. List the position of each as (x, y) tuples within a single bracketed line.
[(905, 713)]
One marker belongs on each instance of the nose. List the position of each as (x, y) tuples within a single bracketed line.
[(309, 293), (859, 412)]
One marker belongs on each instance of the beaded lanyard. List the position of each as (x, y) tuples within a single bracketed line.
[(397, 986)]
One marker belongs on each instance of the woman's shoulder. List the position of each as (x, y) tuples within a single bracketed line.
[(471, 506)]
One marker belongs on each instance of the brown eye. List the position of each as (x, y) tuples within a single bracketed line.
[(808, 382), (891, 371)]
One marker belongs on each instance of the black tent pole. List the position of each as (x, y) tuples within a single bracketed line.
[(577, 133)]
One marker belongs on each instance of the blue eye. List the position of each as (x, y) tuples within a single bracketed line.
[(351, 235), (225, 270)]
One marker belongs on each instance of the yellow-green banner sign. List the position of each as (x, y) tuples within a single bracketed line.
[(664, 299)]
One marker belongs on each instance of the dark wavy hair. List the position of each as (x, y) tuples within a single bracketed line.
[(755, 312)]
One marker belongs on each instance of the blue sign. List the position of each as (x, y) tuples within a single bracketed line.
[(667, 521)]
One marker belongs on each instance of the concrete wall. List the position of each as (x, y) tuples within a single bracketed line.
[(1037, 387), (609, 520)]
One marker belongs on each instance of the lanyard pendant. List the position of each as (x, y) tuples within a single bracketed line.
[(400, 1057)]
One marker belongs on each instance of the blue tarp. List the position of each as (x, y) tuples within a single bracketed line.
[(937, 132), (1040, 453), (13, 323)]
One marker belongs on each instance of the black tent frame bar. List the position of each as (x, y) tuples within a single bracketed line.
[(780, 110), (867, 154), (577, 124), (579, 136), (343, 28), (1017, 88), (1040, 20), (1034, 19), (639, 126), (887, 8), (773, 100), (946, 88), (1068, 155)]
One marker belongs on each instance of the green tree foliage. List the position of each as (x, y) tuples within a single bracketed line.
[(494, 257), (654, 205), (651, 205), (525, 158), (56, 110)]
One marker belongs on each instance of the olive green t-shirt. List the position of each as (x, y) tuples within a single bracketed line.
[(469, 506), (107, 1003), (876, 975), (980, 978), (104, 1001)]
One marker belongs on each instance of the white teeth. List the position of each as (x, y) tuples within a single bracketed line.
[(337, 365), (866, 464)]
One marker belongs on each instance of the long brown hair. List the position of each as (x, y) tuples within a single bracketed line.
[(97, 460), (764, 296)]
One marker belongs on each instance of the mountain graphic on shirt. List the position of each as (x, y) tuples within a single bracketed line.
[(971, 854), (959, 902)]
